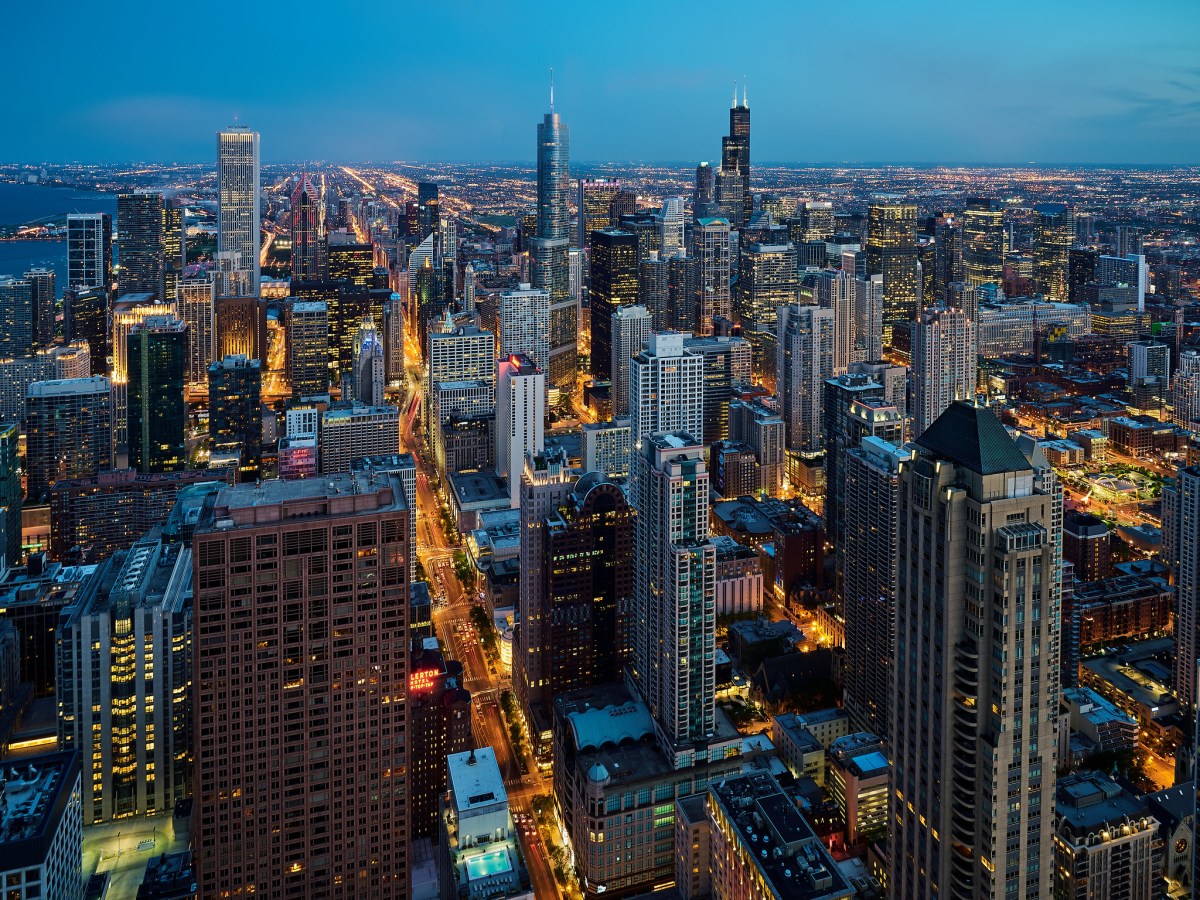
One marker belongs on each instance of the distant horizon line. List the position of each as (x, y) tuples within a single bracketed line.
[(528, 163)]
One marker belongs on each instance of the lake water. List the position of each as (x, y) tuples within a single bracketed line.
[(22, 204)]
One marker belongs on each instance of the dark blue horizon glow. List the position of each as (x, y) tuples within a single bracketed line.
[(1021, 82)]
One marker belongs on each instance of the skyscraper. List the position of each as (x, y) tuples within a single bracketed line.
[(305, 222), (1181, 524), (85, 319), (142, 249), (594, 207), (124, 667), (614, 284), (1053, 237), (735, 153), (16, 317), (674, 591), (43, 290), (429, 211), (674, 227), (816, 220), (89, 251), (805, 362), (520, 417), (948, 254), (727, 365), (710, 247), (525, 324), (157, 360), (197, 308), (666, 387), (630, 328), (308, 348), (11, 493), (867, 565), (368, 364), (68, 427), (982, 242), (767, 280), (976, 678), (891, 251), (235, 415), (944, 363), (239, 196), (551, 247), (345, 737)]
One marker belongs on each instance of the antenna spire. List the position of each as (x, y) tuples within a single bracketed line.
[(735, 92), (745, 97), (551, 90)]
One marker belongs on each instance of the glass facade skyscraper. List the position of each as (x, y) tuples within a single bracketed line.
[(551, 247), (239, 198), (157, 364)]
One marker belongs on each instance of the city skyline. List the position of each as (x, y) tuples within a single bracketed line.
[(1111, 95)]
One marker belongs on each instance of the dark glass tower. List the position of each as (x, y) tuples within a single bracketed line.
[(143, 251), (306, 230), (983, 242), (892, 252), (551, 247), (737, 149), (428, 209), (614, 284), (235, 410), (157, 364), (10, 492)]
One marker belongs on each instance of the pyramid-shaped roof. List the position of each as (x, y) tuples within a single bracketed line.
[(973, 437)]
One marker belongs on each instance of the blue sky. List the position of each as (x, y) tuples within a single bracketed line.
[(1008, 82)]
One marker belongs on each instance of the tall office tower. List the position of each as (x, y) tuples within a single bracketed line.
[(1081, 272), (1181, 524), (975, 689), (393, 338), (43, 294), (891, 251), (868, 317), (767, 280), (89, 251), (551, 256), (352, 264), (1148, 359), (630, 328), (143, 260), (982, 242), (604, 447), (944, 364), (197, 308), (710, 247), (666, 387), (614, 284), (68, 429), (520, 418), (594, 207), (468, 353), (648, 229), (805, 362), (868, 564), (927, 260), (586, 589), (680, 314), (1129, 241), (728, 196), (124, 667), (235, 414), (1186, 391), (816, 220), (439, 720), (85, 321), (233, 280), (368, 364), (339, 757), (948, 254), (854, 407), (525, 324), (703, 189), (308, 348), (447, 246), (428, 209), (1053, 238), (1126, 277), (469, 289), (760, 427), (654, 279), (239, 198), (727, 366), (735, 152), (305, 221), (240, 327), (546, 482), (674, 591), (16, 317), (11, 493), (158, 354), (674, 228)]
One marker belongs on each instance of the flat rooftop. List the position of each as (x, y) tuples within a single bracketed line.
[(475, 779)]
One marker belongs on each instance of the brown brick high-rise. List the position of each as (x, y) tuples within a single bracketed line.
[(301, 661)]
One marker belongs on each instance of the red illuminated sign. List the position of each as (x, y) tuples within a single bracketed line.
[(422, 680)]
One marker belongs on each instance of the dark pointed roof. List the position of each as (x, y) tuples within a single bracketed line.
[(973, 437)]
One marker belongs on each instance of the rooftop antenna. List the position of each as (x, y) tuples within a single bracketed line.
[(735, 92), (745, 98), (551, 90)]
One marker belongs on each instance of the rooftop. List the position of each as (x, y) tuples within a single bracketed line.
[(1087, 801), (475, 779), (35, 792), (972, 437)]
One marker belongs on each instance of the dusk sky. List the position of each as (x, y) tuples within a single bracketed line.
[(1053, 81)]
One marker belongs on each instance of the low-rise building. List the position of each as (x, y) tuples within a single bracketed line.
[(1099, 720), (858, 781), (799, 748), (1103, 840), (739, 578), (474, 492)]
